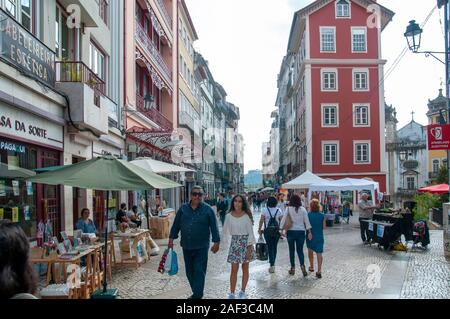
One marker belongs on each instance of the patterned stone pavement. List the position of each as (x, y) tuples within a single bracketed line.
[(412, 274)]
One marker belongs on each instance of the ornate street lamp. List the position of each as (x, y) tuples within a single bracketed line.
[(413, 35)]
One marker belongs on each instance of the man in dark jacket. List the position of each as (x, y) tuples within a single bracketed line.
[(197, 222), (222, 207)]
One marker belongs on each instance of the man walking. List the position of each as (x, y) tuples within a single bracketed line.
[(366, 209), (197, 222)]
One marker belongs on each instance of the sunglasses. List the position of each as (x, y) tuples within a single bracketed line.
[(197, 194)]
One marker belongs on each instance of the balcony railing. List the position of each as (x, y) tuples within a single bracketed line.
[(78, 72), (433, 175), (162, 8), (152, 51), (153, 114)]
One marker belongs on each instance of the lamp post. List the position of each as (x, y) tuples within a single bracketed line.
[(413, 36)]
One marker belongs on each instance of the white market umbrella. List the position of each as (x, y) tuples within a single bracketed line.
[(303, 181), (158, 166)]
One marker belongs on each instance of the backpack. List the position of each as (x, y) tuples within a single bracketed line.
[(273, 227)]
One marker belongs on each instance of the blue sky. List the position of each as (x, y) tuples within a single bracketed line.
[(245, 41)]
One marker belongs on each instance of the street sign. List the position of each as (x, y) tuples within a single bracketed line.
[(439, 137)]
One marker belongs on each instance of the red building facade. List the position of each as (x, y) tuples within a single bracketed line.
[(336, 49)]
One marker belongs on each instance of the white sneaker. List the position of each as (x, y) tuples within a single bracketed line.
[(231, 296), (242, 295), (272, 269)]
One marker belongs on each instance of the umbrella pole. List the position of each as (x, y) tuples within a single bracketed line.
[(106, 243)]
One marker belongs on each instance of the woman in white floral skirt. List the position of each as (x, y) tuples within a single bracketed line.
[(239, 225)]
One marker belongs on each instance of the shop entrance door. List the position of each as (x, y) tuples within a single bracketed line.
[(50, 194)]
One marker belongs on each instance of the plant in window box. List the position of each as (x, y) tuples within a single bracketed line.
[(92, 83)]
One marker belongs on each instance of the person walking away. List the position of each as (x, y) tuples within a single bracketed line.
[(297, 233), (18, 279), (271, 219), (281, 202), (239, 225), (315, 244), (197, 223), (222, 208), (366, 209)]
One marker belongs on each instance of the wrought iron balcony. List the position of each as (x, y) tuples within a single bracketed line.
[(433, 175), (153, 114), (162, 8), (152, 51), (78, 72)]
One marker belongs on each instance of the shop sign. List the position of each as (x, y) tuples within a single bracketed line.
[(15, 122), (12, 147), (19, 47), (439, 137)]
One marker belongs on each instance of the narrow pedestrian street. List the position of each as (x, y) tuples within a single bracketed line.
[(412, 274)]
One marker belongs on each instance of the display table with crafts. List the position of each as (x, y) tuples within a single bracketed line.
[(403, 222), (79, 269), (131, 247), (160, 225), (381, 233)]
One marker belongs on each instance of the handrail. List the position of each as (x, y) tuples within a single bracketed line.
[(77, 71)]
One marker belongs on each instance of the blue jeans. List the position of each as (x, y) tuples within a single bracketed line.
[(196, 262), (296, 239), (272, 247)]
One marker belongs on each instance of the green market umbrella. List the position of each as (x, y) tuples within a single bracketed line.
[(8, 171), (104, 173)]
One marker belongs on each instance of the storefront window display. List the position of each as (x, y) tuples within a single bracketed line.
[(22, 202)]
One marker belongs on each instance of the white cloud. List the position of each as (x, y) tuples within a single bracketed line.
[(245, 41)]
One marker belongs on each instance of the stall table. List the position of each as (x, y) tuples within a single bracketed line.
[(131, 248), (382, 233), (403, 223)]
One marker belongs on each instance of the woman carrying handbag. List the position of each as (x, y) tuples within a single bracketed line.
[(296, 225)]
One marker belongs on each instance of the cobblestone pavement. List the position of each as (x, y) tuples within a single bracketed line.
[(412, 274)]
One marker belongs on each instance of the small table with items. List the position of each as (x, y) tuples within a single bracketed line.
[(131, 247)]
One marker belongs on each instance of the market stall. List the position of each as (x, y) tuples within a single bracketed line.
[(304, 181), (104, 173)]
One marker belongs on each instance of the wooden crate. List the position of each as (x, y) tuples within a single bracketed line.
[(160, 227)]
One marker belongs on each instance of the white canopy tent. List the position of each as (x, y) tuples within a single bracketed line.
[(159, 167), (345, 184), (304, 181)]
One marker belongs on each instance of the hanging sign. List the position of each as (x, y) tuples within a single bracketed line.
[(380, 231), (371, 226), (439, 137), (26, 52)]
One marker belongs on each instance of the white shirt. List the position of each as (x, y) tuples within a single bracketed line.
[(239, 226), (273, 211), (299, 219)]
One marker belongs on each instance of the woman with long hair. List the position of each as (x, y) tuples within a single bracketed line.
[(17, 277), (296, 234), (239, 225), (271, 218), (315, 244)]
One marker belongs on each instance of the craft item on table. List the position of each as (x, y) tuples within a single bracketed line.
[(16, 188), (26, 213), (64, 235), (15, 214), (380, 231), (77, 233), (61, 249), (68, 245)]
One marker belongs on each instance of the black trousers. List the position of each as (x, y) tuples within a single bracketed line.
[(364, 226)]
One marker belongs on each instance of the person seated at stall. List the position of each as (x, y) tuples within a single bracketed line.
[(133, 217), (160, 205), (122, 219), (85, 224)]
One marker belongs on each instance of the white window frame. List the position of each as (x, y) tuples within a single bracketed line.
[(369, 155), (320, 39), (354, 72), (327, 105), (322, 79), (349, 10), (324, 143), (436, 160), (365, 39), (414, 181), (355, 105)]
